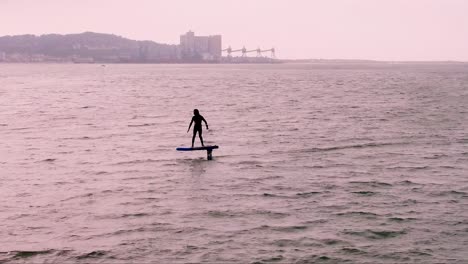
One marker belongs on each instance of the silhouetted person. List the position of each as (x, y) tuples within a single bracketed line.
[(197, 118)]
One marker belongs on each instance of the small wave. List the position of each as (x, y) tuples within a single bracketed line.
[(406, 182), (354, 251), (81, 138), (135, 162), (287, 229), (281, 196), (65, 152), (365, 193), (134, 215), (436, 156), (333, 148), (143, 125), (307, 194), (356, 146), (449, 167), (294, 228), (16, 217), (30, 253), (148, 116), (230, 214), (78, 197), (22, 128), (463, 222), (400, 219), (92, 254), (418, 253), (189, 230), (273, 259), (375, 234), (372, 183), (64, 118), (321, 259), (452, 193), (368, 215), (409, 202), (302, 242), (317, 221), (331, 241), (135, 178), (418, 168), (269, 213), (24, 255), (48, 160), (123, 232), (219, 214), (247, 162)]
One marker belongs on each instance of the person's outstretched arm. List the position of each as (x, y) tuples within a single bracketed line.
[(190, 125), (206, 123)]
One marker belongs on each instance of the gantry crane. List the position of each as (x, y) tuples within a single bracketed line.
[(272, 50), (229, 51), (244, 51)]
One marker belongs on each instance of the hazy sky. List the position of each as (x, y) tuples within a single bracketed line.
[(347, 29)]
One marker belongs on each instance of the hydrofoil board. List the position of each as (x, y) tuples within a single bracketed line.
[(197, 148), (209, 150)]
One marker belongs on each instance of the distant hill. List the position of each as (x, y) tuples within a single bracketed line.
[(84, 47)]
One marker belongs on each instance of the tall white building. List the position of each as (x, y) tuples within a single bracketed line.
[(208, 48)]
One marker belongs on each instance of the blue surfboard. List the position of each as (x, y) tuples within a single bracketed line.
[(209, 150), (197, 148)]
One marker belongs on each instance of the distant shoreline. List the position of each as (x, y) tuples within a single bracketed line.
[(312, 62), (350, 61), (99, 48)]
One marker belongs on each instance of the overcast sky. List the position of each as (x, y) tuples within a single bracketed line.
[(331, 29)]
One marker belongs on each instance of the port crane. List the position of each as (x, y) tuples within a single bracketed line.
[(258, 50), (272, 54), (229, 51), (244, 51)]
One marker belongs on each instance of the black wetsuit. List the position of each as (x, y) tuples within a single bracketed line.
[(197, 127), (197, 120)]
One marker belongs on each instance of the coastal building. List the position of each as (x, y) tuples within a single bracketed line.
[(205, 48), (18, 57), (153, 52), (37, 58)]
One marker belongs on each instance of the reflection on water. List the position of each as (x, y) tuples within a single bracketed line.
[(197, 167)]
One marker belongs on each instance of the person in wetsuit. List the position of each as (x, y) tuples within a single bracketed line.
[(197, 119)]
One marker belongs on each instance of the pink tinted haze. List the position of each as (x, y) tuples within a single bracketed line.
[(332, 29)]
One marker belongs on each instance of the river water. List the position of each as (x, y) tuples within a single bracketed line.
[(321, 163)]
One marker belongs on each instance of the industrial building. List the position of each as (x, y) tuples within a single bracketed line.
[(196, 48)]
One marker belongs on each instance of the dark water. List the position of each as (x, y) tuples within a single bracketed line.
[(317, 164)]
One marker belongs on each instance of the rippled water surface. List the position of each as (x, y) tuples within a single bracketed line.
[(317, 164)]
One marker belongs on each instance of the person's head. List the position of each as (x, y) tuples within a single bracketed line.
[(195, 112)]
